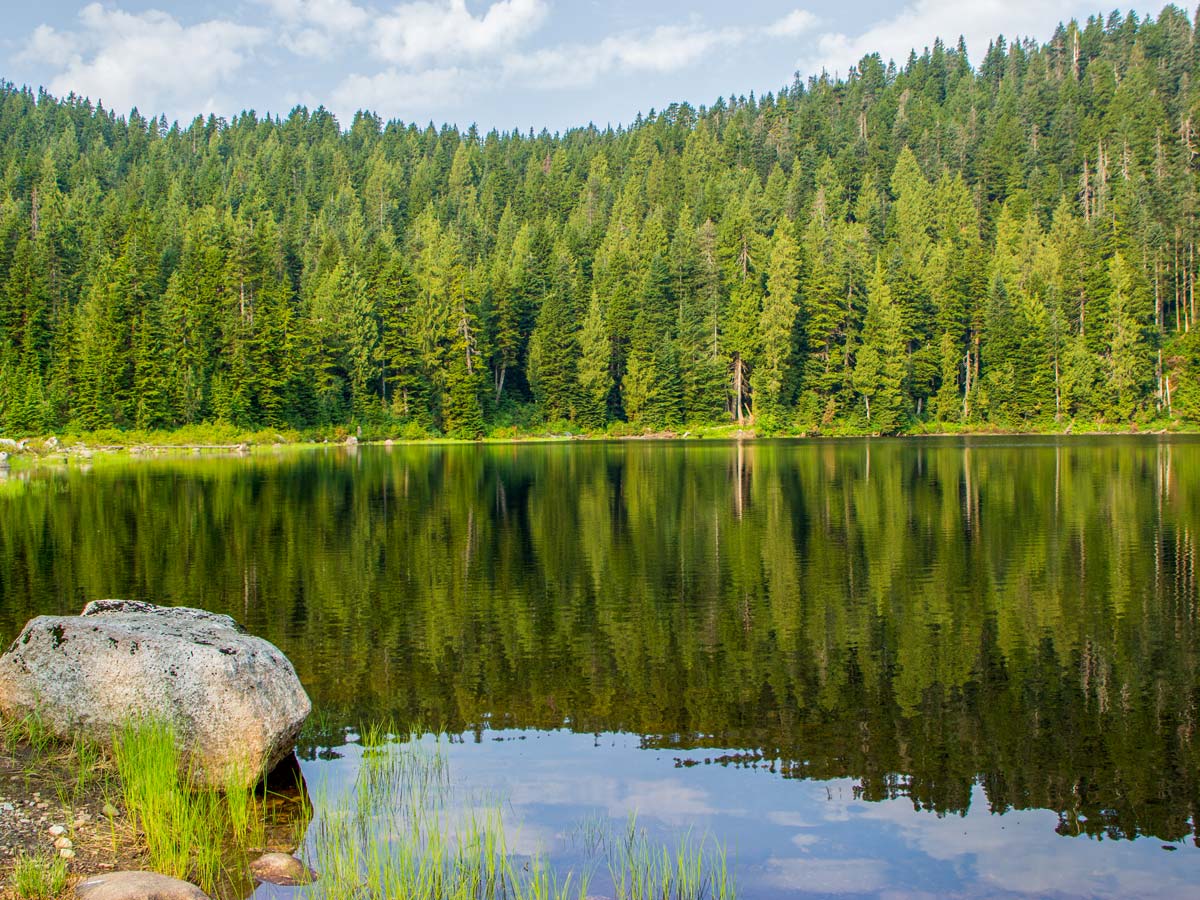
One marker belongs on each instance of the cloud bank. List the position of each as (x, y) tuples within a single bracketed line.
[(418, 58)]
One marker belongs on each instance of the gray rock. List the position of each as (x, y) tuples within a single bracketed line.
[(137, 886), (233, 699), (282, 869)]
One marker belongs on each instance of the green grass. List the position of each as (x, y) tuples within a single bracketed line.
[(39, 877), (403, 831), (199, 834), (644, 870)]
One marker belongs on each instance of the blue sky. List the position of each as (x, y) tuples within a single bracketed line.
[(496, 63)]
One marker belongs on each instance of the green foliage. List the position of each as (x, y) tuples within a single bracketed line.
[(1037, 221)]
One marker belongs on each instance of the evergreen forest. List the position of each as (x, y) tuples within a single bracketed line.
[(943, 242)]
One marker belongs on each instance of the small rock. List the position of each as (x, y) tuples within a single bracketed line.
[(56, 830), (66, 853), (136, 886), (110, 811), (63, 843), (80, 821), (281, 869)]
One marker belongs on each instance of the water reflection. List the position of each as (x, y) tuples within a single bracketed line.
[(955, 627), (804, 838)]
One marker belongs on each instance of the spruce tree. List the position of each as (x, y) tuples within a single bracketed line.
[(879, 368)]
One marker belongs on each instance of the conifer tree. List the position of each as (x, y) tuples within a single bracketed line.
[(879, 367), (595, 367), (776, 327)]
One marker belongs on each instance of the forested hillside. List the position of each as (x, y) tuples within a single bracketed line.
[(1005, 240)]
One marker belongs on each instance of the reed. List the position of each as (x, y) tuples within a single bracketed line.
[(642, 869), (189, 832), (403, 831)]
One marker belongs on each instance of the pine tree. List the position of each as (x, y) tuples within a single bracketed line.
[(1130, 355), (595, 367), (879, 368), (776, 327), (554, 345)]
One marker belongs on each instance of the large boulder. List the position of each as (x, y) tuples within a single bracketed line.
[(233, 699), (137, 886)]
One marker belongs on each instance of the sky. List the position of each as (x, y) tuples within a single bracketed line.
[(495, 63)]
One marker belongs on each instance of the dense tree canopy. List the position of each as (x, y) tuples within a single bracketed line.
[(1010, 243)]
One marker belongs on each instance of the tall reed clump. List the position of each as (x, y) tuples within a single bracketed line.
[(644, 870), (189, 832), (403, 832)]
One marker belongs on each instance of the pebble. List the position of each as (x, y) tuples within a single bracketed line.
[(110, 811), (63, 843), (57, 830), (66, 853)]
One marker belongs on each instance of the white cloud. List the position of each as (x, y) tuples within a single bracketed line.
[(1051, 865), (413, 33), (55, 48), (318, 27), (827, 876), (149, 59), (794, 24), (668, 48), (333, 15), (916, 26), (402, 93)]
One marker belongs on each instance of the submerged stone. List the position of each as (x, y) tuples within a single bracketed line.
[(232, 699), (281, 869)]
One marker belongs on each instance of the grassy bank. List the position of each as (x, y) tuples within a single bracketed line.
[(131, 807)]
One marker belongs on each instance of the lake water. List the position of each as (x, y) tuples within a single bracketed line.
[(895, 668)]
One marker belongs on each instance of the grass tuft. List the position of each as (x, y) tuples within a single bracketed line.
[(39, 877), (191, 833)]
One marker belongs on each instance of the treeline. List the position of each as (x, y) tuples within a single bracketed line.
[(1011, 244)]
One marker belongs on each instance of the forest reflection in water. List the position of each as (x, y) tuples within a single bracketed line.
[(1007, 622)]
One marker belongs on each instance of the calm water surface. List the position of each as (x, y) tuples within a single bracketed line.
[(941, 667)]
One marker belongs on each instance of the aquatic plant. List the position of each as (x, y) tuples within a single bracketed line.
[(404, 831)]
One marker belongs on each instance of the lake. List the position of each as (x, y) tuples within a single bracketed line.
[(960, 667)]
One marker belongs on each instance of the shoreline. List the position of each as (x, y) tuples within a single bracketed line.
[(64, 450)]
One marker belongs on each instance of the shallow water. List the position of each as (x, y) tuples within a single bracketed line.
[(949, 667)]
